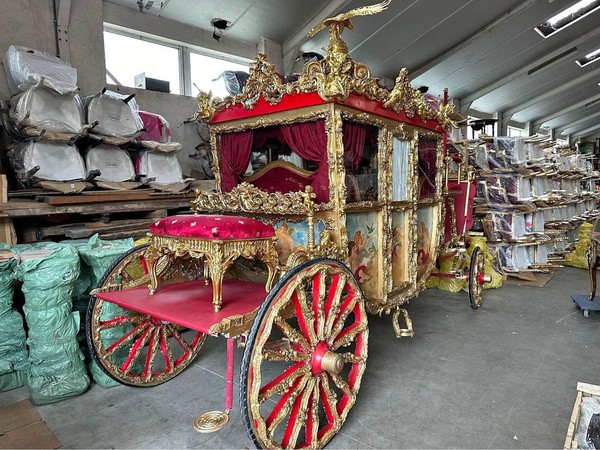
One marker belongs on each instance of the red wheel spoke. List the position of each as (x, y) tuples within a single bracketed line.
[(293, 335), (353, 359), (136, 349), (298, 416), (329, 400), (318, 302), (342, 385), (312, 421), (117, 322), (187, 350), (282, 383), (347, 336), (165, 349), (127, 337), (285, 356), (152, 348), (345, 310), (332, 305), (283, 406), (305, 316)]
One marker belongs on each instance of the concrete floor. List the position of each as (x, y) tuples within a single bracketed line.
[(504, 376)]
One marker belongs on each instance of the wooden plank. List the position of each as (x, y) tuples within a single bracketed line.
[(110, 197), (8, 233), (87, 231), (32, 209)]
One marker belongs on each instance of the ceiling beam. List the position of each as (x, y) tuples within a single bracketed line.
[(508, 78), (588, 131), (292, 44), (575, 82), (418, 71), (571, 125), (538, 123)]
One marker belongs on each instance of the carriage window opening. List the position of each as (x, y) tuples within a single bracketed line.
[(427, 153), (360, 161), (282, 159), (400, 169)]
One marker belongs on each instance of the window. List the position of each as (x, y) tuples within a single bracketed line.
[(128, 57), (515, 132), (205, 70)]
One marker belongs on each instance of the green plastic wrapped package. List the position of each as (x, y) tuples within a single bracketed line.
[(13, 351), (97, 257), (49, 273)]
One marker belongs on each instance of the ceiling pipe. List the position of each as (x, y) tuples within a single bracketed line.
[(542, 120), (571, 126), (575, 82)]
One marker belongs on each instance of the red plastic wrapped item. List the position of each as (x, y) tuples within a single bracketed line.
[(156, 128)]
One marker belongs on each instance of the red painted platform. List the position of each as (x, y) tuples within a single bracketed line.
[(190, 303)]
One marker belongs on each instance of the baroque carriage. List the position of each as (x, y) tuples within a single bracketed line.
[(328, 206)]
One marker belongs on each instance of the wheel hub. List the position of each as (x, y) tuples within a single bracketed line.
[(325, 360)]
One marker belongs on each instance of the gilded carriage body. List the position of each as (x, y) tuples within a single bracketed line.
[(377, 160)]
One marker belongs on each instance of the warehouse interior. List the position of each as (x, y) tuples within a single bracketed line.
[(472, 261)]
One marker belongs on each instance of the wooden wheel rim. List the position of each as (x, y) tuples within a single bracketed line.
[(131, 358), (310, 390)]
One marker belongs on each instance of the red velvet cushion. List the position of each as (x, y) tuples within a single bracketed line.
[(212, 227), (281, 179)]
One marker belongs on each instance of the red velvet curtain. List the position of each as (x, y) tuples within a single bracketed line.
[(234, 156), (354, 142), (309, 141)]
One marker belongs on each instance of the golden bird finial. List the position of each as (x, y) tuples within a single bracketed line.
[(343, 20)]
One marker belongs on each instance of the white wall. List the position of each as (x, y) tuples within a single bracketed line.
[(30, 23)]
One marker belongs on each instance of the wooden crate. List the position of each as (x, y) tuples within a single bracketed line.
[(583, 390)]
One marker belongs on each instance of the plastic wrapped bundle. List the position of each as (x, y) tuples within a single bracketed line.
[(49, 273), (26, 67), (163, 169), (512, 149), (46, 160), (13, 352), (513, 257), (43, 108), (115, 114), (511, 227), (114, 163), (97, 257), (234, 81), (156, 128)]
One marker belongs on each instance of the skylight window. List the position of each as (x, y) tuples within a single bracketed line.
[(589, 58), (567, 17)]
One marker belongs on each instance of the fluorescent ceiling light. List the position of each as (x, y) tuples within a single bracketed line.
[(567, 17), (589, 58)]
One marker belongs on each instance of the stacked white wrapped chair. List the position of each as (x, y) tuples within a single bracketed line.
[(60, 138)]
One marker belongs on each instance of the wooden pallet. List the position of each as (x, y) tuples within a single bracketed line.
[(583, 390)]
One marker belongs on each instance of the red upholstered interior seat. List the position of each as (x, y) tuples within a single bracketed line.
[(212, 226)]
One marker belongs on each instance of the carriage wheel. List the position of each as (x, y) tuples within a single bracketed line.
[(304, 358), (477, 278), (133, 348)]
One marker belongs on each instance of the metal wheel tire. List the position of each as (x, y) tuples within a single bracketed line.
[(476, 272), (133, 348), (304, 358)]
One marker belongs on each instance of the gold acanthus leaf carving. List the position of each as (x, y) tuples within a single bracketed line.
[(249, 199)]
